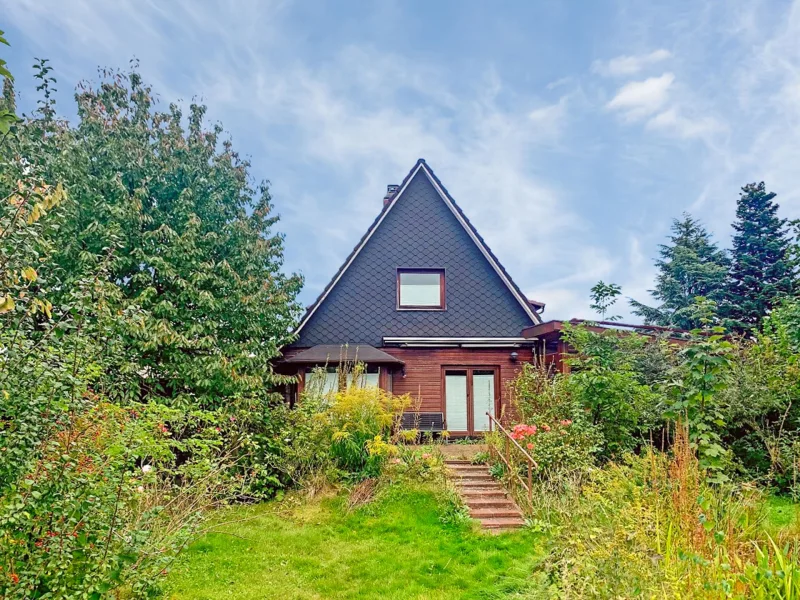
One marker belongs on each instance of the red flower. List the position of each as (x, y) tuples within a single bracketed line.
[(14, 578), (545, 427), (530, 446)]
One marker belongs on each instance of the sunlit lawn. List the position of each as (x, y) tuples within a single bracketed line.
[(398, 548), (782, 514)]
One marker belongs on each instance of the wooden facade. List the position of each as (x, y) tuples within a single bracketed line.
[(422, 376)]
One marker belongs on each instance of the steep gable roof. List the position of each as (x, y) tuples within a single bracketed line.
[(421, 167)]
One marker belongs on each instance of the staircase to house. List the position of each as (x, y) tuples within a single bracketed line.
[(486, 498)]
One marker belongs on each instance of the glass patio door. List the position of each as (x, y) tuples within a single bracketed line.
[(469, 394)]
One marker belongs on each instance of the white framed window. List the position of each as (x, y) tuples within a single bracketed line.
[(420, 289), (326, 382)]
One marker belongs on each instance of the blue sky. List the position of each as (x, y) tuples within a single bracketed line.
[(571, 133)]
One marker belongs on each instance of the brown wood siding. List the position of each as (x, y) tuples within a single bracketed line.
[(423, 370)]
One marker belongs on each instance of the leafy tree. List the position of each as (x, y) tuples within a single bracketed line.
[(706, 361), (604, 296), (762, 402), (606, 383), (763, 271), (136, 263), (192, 240), (691, 265)]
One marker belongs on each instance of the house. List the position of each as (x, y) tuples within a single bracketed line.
[(426, 305)]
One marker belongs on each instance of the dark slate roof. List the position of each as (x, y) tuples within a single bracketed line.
[(417, 230), (335, 353)]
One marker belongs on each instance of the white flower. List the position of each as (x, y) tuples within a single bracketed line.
[(147, 468), (140, 489)]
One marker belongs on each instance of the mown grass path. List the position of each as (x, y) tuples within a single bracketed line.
[(396, 548)]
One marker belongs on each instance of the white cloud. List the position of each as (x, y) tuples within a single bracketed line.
[(673, 122), (639, 99), (629, 65)]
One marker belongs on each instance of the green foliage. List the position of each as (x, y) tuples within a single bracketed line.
[(776, 573), (553, 427), (761, 400), (691, 265), (605, 382), (763, 271), (141, 301), (604, 296), (701, 378), (192, 240)]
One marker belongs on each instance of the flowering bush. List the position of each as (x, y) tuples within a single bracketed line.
[(560, 446)]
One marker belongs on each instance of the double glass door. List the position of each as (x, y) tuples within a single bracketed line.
[(469, 395)]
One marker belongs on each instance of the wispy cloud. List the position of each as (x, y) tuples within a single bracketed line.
[(639, 99), (569, 181), (673, 122), (622, 66)]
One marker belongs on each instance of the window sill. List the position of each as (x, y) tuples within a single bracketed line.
[(421, 309)]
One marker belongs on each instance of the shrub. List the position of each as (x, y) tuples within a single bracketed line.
[(107, 503), (605, 382), (553, 427), (362, 420), (760, 401), (559, 447)]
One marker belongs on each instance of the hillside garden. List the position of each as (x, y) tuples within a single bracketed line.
[(144, 450)]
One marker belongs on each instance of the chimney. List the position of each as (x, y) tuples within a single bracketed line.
[(391, 190)]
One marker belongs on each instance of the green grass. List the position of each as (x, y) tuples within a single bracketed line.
[(397, 548), (782, 513)]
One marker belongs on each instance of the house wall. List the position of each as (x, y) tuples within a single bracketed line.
[(423, 370)]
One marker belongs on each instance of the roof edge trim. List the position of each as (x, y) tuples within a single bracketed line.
[(358, 249), (469, 228)]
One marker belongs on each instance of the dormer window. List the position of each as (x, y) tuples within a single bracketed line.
[(420, 289)]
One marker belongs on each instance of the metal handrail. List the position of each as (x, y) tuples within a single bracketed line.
[(528, 487)]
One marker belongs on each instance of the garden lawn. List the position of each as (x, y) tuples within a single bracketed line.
[(395, 548), (782, 514)]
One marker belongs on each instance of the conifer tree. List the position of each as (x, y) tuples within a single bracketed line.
[(690, 266), (763, 270)]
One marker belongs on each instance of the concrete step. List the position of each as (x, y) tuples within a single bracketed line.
[(486, 486), (468, 468), (495, 513), (503, 523), (457, 461), (485, 495), (481, 488), (474, 477), (483, 501)]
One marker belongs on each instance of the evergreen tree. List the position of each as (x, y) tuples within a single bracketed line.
[(763, 270), (690, 265)]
